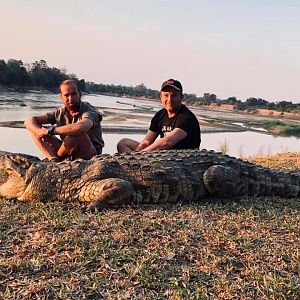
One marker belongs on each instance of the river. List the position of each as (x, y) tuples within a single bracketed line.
[(127, 113)]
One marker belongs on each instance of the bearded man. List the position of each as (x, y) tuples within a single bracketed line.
[(76, 122)]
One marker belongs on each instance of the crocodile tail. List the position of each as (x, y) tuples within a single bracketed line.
[(224, 181), (264, 181)]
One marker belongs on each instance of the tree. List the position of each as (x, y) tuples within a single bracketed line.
[(38, 72), (3, 72), (81, 85), (17, 73), (47, 77), (231, 100), (209, 98), (257, 102), (139, 90), (284, 105)]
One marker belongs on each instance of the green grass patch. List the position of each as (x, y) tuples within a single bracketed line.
[(278, 127), (220, 250)]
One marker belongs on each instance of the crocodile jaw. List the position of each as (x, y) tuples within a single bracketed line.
[(13, 187)]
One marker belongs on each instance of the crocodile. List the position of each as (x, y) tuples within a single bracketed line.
[(141, 177)]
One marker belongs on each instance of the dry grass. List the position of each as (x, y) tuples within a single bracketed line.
[(288, 161), (246, 249)]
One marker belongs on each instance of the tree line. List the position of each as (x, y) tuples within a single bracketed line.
[(14, 73), (250, 104), (119, 90)]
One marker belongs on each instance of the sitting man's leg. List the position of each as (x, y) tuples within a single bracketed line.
[(79, 146), (48, 145), (126, 145)]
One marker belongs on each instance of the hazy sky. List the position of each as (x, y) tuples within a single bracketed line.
[(231, 47)]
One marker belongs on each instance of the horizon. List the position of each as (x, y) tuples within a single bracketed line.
[(241, 49)]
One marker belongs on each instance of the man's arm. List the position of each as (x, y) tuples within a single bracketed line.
[(34, 125), (149, 139), (82, 126), (168, 141)]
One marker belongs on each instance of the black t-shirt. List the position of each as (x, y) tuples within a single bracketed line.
[(184, 120)]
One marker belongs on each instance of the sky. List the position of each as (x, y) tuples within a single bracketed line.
[(229, 48)]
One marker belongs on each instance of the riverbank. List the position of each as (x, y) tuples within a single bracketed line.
[(134, 117), (268, 113), (257, 111)]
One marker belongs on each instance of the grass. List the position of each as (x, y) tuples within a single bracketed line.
[(278, 127), (243, 249), (287, 161), (224, 147)]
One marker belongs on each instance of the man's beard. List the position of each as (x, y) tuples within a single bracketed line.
[(73, 107)]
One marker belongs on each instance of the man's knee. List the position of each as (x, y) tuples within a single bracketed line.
[(121, 144), (126, 145), (70, 141), (79, 146), (73, 141)]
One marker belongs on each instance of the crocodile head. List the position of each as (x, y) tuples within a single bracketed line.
[(13, 169)]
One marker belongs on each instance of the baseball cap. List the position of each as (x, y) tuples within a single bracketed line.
[(172, 83)]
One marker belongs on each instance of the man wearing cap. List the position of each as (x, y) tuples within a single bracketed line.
[(77, 124), (176, 125)]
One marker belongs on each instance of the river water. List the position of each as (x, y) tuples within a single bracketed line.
[(17, 107)]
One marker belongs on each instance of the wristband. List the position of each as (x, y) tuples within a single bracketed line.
[(51, 130)]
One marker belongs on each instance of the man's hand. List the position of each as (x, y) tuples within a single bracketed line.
[(41, 132), (34, 125), (168, 141), (149, 139)]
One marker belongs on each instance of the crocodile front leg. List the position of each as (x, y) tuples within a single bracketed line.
[(106, 193)]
